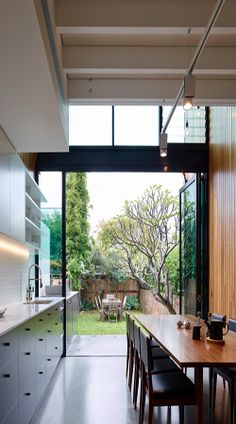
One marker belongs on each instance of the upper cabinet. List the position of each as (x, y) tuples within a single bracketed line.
[(20, 199), (17, 201), (33, 214)]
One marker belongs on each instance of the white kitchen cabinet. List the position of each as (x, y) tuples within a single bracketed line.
[(4, 194), (17, 200), (20, 216), (29, 355), (8, 375), (33, 214)]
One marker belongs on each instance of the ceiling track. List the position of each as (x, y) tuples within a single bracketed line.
[(198, 51)]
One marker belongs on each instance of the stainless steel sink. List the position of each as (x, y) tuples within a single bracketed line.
[(38, 302)]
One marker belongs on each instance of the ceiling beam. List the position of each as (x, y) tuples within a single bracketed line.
[(78, 58), (149, 13), (148, 91)]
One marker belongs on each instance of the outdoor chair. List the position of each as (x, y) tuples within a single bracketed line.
[(101, 310), (113, 310), (99, 300), (162, 388), (228, 374)]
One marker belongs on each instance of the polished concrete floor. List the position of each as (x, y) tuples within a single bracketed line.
[(104, 345), (93, 390)]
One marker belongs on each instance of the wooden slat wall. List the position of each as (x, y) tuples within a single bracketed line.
[(222, 211)]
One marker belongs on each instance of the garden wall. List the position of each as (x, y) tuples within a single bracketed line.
[(152, 306), (103, 286)]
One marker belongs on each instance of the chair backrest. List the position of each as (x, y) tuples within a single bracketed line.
[(137, 338), (131, 329), (127, 319), (218, 317), (99, 300), (232, 324), (146, 359), (96, 301)]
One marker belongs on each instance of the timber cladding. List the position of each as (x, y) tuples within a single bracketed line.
[(222, 211), (103, 286)]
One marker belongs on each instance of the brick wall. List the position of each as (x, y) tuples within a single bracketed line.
[(152, 306)]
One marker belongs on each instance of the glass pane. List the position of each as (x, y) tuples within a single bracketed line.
[(90, 125), (136, 125), (186, 126), (51, 238), (188, 249)]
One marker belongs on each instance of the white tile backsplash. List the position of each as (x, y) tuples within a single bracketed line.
[(13, 279)]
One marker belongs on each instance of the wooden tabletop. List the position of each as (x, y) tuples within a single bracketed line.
[(182, 348), (111, 301)]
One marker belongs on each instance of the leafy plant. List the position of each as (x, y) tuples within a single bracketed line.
[(132, 302), (86, 306)]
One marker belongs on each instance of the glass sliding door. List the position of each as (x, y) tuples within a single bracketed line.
[(193, 247)]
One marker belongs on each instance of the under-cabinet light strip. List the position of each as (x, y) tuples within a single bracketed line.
[(9, 245)]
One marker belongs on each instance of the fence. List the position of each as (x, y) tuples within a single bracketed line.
[(103, 286)]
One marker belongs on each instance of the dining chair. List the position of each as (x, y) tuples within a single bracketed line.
[(228, 374), (131, 351), (162, 388), (216, 317), (161, 362), (127, 318)]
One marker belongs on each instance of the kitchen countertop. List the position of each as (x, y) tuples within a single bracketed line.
[(18, 313)]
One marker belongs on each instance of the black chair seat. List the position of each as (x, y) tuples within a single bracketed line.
[(158, 353), (164, 365), (154, 343), (228, 374), (172, 386)]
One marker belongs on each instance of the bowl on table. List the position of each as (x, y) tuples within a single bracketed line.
[(2, 311)]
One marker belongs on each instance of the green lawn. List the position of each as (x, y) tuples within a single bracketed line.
[(90, 323)]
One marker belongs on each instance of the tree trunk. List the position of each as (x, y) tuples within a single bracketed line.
[(164, 302)]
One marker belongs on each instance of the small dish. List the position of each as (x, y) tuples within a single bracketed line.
[(2, 311)]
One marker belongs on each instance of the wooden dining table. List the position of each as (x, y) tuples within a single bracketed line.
[(186, 352)]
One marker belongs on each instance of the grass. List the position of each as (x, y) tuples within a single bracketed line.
[(89, 323)]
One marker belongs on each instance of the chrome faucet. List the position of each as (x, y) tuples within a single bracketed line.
[(30, 288)]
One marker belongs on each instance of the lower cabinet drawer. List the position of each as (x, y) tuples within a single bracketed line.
[(8, 386), (13, 416), (50, 366), (26, 367), (27, 403), (40, 382), (8, 346)]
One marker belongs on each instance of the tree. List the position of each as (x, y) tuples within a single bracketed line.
[(53, 222), (78, 246), (145, 234)]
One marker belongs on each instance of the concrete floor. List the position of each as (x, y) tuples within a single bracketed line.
[(104, 345), (93, 390)]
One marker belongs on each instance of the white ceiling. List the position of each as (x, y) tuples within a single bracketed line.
[(30, 108), (140, 50), (107, 51)]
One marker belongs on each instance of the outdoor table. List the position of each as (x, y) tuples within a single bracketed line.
[(186, 352), (105, 302)]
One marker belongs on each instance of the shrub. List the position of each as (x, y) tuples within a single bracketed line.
[(86, 306), (132, 302)]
